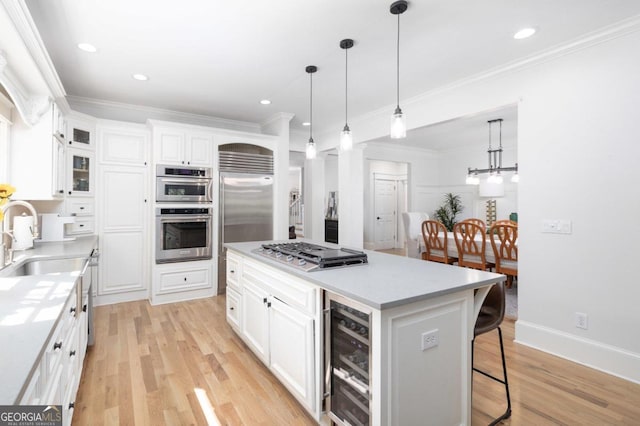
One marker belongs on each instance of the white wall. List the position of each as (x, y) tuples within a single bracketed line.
[(330, 175), (577, 150)]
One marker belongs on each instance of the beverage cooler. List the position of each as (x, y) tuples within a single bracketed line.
[(347, 361)]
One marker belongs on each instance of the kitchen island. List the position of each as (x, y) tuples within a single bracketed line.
[(418, 328)]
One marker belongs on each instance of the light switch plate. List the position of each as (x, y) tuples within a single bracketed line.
[(556, 226)]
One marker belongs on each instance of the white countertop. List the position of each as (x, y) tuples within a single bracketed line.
[(30, 307), (386, 281)]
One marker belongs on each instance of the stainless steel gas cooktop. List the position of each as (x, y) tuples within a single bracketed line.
[(311, 257)]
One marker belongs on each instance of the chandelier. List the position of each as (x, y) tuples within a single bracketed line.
[(495, 168)]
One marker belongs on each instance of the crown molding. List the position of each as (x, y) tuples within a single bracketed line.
[(288, 116), (19, 14), (140, 114), (31, 107)]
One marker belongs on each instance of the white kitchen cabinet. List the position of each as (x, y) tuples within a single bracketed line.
[(124, 246), (179, 277), (123, 211), (234, 309), (255, 320), (279, 321), (180, 147), (291, 350), (123, 144), (36, 156), (80, 133), (80, 171)]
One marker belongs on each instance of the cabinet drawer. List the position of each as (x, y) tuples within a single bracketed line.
[(233, 271), (171, 282), (285, 287), (233, 308), (80, 207), (82, 225)]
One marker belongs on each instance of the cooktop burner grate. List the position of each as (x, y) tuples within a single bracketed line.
[(312, 256)]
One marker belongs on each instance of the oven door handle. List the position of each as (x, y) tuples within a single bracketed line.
[(183, 219), (184, 180)]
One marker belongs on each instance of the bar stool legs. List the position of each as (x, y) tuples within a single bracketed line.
[(505, 382)]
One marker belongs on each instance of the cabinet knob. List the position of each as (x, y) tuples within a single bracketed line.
[(269, 305), (62, 135), (84, 308), (188, 162), (264, 300), (231, 308), (61, 191), (70, 142), (69, 192), (232, 271), (72, 310), (182, 162), (185, 278), (81, 207), (57, 345), (81, 225), (71, 405), (72, 353)]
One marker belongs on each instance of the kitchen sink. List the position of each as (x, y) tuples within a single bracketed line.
[(44, 266)]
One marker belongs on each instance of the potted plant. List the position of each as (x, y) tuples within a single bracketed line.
[(448, 211)]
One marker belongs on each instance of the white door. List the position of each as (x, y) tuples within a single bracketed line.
[(385, 213), (292, 354)]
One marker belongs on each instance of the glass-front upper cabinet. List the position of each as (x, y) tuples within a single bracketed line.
[(80, 134), (80, 168)]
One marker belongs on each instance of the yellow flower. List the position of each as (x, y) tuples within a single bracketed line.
[(6, 191)]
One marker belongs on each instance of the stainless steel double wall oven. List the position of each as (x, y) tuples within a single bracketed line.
[(183, 230)]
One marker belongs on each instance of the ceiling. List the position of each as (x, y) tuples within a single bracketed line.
[(221, 58)]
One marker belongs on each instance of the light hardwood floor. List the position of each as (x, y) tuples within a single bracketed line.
[(175, 364)]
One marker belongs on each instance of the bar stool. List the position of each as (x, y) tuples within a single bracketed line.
[(490, 317)]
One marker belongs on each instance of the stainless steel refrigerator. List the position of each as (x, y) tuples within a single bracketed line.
[(246, 213)]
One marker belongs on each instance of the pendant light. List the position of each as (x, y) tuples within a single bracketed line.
[(495, 168), (398, 119), (311, 145), (346, 138)]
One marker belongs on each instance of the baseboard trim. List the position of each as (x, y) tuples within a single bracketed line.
[(599, 356)]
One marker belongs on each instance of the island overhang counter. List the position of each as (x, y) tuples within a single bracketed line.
[(421, 314)]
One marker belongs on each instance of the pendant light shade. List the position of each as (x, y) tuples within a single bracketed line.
[(346, 138), (398, 119), (311, 145)]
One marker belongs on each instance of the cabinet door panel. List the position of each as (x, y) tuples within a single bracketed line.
[(122, 262), (200, 149), (124, 235), (123, 198), (123, 147), (292, 350), (171, 148), (255, 317)]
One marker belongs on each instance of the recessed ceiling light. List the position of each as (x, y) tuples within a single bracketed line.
[(524, 33), (140, 77), (306, 123), (87, 47), (265, 102)]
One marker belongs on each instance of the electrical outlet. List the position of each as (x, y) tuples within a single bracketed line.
[(430, 339), (582, 320)]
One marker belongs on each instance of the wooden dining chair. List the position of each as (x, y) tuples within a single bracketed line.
[(477, 221), (503, 241), (471, 242), (435, 238)]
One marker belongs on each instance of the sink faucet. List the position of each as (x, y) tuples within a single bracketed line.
[(5, 208)]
